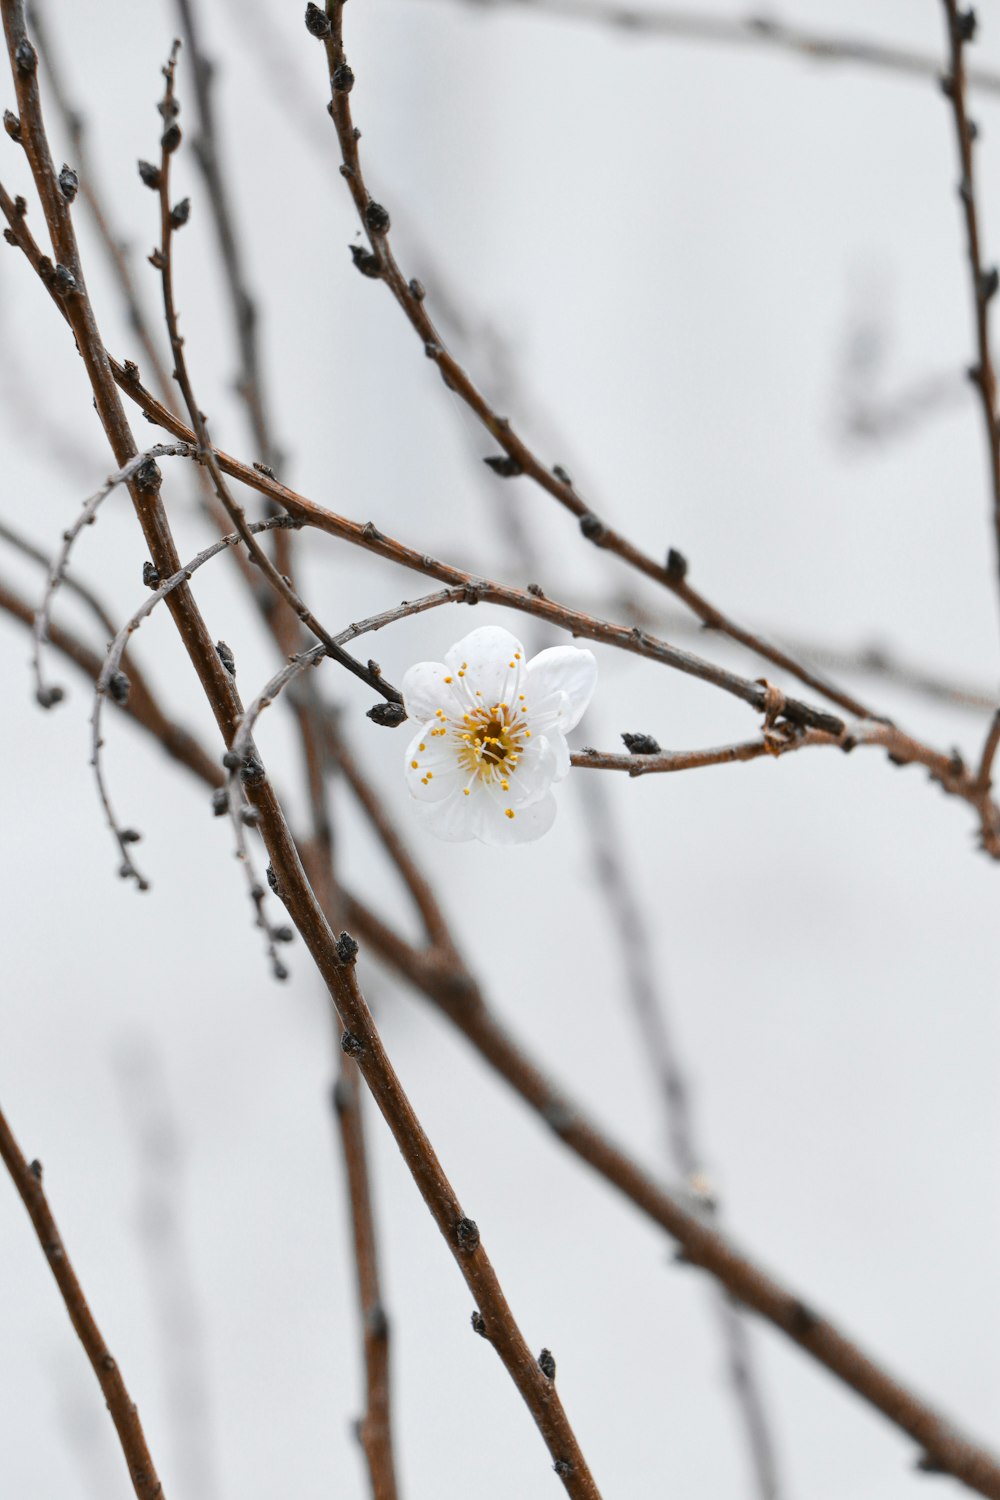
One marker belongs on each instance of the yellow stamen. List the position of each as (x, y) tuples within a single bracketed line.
[(508, 812), (415, 763)]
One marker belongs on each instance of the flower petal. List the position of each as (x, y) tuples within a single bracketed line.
[(527, 824), (456, 819), (491, 661), (425, 691), (432, 769), (561, 670)]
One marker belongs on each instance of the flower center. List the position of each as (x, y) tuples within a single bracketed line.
[(491, 741)]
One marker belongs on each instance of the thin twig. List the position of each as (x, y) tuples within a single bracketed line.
[(170, 220), (135, 469), (113, 682), (984, 281), (124, 1412), (379, 263), (751, 32)]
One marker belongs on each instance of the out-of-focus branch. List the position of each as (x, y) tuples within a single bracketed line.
[(179, 744), (75, 126), (750, 33), (243, 308), (124, 1412), (644, 988), (453, 991), (160, 1222)]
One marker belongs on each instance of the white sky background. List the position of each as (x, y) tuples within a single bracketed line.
[(675, 243)]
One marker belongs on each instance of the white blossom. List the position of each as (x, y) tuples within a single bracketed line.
[(492, 735)]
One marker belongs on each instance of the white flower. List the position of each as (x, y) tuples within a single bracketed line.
[(492, 735)]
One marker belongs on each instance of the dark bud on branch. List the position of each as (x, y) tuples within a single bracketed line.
[(562, 475), (148, 476), (26, 58), (478, 1323), (12, 125), (347, 948), (48, 697), (317, 22), (180, 213), (377, 218), (641, 744), (65, 281), (593, 527), (118, 687), (989, 282), (69, 183), (249, 817), (417, 290), (928, 1464), (226, 657), (547, 1364), (150, 575), (563, 1468), (343, 79), (504, 465), (389, 715), (131, 836), (272, 879), (352, 1045), (171, 138), (965, 25), (467, 1235), (220, 802), (677, 565), (149, 174), (367, 263)]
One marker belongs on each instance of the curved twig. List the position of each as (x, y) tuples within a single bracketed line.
[(112, 680), (135, 470)]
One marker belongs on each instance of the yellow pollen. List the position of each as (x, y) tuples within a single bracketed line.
[(439, 713), (421, 747), (510, 664), (527, 734), (423, 781), (465, 791), (505, 786), (461, 674), (415, 763), (430, 775), (465, 666), (447, 679), (517, 656), (508, 812)]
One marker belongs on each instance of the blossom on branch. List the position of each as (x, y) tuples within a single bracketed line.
[(492, 736)]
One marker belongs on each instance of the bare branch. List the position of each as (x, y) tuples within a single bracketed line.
[(124, 1412)]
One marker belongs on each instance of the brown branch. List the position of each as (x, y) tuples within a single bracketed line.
[(454, 992), (984, 282), (124, 1413), (332, 958), (380, 264), (902, 748), (450, 987), (170, 220), (751, 33)]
